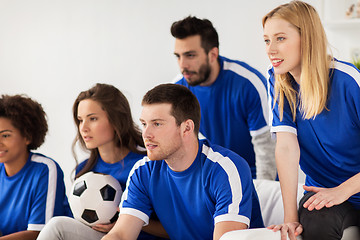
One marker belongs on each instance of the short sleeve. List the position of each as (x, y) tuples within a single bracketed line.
[(277, 125), (230, 203), (135, 200)]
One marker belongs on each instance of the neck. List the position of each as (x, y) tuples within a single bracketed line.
[(215, 70), (185, 156), (113, 154), (14, 167)]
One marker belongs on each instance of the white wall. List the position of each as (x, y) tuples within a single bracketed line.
[(53, 49)]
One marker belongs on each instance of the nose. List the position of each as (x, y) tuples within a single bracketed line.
[(83, 126), (146, 133), (182, 63), (271, 49)]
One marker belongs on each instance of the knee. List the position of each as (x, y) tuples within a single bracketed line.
[(54, 228), (319, 225)]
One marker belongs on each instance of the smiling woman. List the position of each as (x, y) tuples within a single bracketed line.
[(31, 183), (312, 94)]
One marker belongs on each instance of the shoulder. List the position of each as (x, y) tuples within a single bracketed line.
[(223, 158), (241, 69), (81, 165), (345, 73), (44, 162), (135, 156), (179, 79)]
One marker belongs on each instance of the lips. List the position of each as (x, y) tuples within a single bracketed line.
[(276, 62), (150, 146), (187, 74), (87, 138), (2, 153)]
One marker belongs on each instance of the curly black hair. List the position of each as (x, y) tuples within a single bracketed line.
[(27, 116)]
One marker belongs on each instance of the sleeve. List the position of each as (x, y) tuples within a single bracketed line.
[(230, 203), (39, 208), (135, 200), (255, 99), (48, 197), (286, 124)]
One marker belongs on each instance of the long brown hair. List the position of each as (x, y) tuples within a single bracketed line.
[(117, 109)]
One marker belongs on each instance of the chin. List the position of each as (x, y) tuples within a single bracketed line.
[(154, 157)]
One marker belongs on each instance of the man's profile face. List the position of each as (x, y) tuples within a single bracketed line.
[(160, 132), (192, 60)]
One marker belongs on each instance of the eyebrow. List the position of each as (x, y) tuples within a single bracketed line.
[(6, 130), (188, 52), (153, 120), (89, 115), (279, 33)]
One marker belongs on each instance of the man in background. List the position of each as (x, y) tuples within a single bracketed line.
[(232, 95)]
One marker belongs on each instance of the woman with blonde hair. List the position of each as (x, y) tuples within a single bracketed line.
[(315, 102)]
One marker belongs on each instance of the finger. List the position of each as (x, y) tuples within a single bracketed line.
[(321, 204), (284, 232), (298, 230), (309, 201), (271, 227), (277, 228), (311, 188), (330, 204)]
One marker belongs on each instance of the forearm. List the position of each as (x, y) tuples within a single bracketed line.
[(155, 228), (127, 227), (264, 148), (287, 155), (23, 235), (351, 186)]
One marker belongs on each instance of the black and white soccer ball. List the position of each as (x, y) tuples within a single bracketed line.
[(95, 198)]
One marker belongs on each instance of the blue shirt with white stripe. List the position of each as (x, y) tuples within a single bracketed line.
[(216, 187), (329, 143), (32, 196), (234, 108)]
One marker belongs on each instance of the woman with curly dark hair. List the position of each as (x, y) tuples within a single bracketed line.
[(31, 185)]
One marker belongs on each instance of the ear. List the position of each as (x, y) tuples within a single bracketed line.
[(213, 54), (187, 127), (27, 141)]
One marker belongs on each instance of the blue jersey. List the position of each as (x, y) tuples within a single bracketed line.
[(119, 170), (329, 143), (234, 108), (216, 187), (32, 196)]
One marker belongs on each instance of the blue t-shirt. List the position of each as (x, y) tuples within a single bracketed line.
[(234, 108), (30, 198), (330, 143), (216, 187), (119, 170)]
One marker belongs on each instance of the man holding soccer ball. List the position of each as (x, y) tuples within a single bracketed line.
[(197, 189)]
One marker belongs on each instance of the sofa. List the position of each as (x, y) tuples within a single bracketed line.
[(272, 211)]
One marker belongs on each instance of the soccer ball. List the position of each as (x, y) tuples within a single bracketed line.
[(95, 198)]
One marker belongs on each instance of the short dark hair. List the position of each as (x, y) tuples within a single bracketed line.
[(191, 26), (184, 104), (27, 116), (118, 112)]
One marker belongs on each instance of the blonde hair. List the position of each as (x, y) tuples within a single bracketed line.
[(315, 61)]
